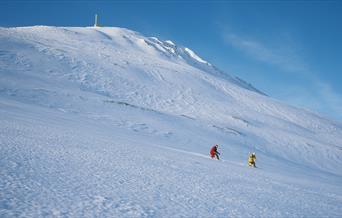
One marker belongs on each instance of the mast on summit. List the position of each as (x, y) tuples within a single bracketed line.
[(96, 24)]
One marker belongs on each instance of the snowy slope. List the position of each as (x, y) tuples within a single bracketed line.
[(108, 122)]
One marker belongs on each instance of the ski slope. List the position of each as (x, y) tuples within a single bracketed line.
[(106, 122)]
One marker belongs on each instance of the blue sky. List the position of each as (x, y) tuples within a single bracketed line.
[(290, 50)]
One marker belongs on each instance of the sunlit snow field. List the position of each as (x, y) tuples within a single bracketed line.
[(105, 122)]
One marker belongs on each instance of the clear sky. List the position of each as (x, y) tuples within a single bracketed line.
[(291, 50)]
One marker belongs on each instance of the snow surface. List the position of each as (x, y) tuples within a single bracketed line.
[(105, 122), (194, 56)]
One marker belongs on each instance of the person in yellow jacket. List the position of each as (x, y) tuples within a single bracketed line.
[(251, 160)]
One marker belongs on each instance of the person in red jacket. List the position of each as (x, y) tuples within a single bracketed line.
[(214, 153)]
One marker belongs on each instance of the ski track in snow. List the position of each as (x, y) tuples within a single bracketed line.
[(104, 122)]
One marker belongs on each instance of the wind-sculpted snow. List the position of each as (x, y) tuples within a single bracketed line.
[(61, 165), (106, 122)]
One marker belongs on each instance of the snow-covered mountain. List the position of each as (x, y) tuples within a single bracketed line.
[(103, 121)]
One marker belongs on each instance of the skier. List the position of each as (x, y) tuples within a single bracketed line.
[(214, 153), (251, 159)]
